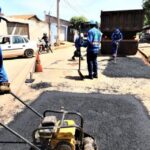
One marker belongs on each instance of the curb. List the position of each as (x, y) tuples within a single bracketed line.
[(62, 46), (146, 57)]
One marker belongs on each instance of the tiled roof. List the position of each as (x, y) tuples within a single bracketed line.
[(26, 17)]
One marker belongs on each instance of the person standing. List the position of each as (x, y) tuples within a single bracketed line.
[(4, 84), (93, 47), (78, 44), (116, 38)]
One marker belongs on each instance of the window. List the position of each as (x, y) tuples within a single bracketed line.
[(17, 40), (26, 40), (4, 40)]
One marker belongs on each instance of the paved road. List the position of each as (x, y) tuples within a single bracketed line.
[(118, 122), (18, 69)]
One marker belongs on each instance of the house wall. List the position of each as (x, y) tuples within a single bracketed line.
[(3, 27), (18, 29), (53, 27), (37, 28), (63, 33), (34, 28)]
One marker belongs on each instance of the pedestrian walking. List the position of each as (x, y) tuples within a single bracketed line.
[(78, 44), (4, 84), (93, 48), (116, 38)]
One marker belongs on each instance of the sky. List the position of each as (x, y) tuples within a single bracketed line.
[(68, 8)]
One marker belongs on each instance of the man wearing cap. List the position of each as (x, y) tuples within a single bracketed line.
[(116, 38), (4, 84), (78, 44), (93, 47)]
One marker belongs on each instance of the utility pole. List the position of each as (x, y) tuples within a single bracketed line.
[(58, 24), (49, 23), (48, 19)]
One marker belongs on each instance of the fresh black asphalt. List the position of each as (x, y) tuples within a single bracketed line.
[(118, 122)]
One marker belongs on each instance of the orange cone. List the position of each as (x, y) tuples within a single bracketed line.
[(38, 66)]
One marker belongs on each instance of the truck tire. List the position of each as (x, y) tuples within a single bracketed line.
[(29, 53)]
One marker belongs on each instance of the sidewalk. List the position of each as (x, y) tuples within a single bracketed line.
[(63, 45), (145, 48)]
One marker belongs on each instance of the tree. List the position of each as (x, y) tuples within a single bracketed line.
[(76, 20), (146, 7)]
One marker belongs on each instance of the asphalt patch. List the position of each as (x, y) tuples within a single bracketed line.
[(118, 122), (127, 67)]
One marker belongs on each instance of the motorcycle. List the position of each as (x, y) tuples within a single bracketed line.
[(43, 47)]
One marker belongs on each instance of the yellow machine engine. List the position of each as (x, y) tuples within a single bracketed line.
[(62, 134), (65, 137)]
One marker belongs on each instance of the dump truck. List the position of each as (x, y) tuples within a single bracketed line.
[(130, 22)]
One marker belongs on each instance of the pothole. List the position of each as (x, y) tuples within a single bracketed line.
[(41, 85)]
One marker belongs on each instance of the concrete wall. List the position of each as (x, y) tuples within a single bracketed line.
[(37, 28), (3, 27)]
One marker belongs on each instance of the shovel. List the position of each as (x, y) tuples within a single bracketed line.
[(79, 70), (116, 53)]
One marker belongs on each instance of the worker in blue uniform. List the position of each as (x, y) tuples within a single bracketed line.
[(4, 84), (93, 47), (116, 38), (78, 44)]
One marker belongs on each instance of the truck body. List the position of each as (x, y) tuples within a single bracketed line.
[(130, 22)]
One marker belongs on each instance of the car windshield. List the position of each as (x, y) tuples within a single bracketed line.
[(26, 40)]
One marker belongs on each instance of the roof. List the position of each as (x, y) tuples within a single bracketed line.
[(146, 27), (13, 20), (26, 17), (118, 11)]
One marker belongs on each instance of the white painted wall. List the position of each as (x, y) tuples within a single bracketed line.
[(3, 27)]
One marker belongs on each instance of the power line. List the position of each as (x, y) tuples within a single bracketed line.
[(52, 4), (73, 8)]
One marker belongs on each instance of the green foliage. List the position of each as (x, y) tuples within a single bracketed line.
[(76, 20), (146, 7)]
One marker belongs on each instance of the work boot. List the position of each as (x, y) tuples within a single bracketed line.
[(95, 76), (82, 58), (4, 87), (73, 58), (89, 77)]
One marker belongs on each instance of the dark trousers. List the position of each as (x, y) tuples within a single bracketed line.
[(115, 46), (92, 63)]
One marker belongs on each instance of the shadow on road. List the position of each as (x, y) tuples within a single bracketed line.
[(127, 67), (77, 78), (118, 122)]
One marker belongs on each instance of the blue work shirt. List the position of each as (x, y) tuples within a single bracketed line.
[(116, 35), (78, 42), (94, 39)]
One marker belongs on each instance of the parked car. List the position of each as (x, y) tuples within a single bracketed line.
[(145, 37), (17, 45)]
